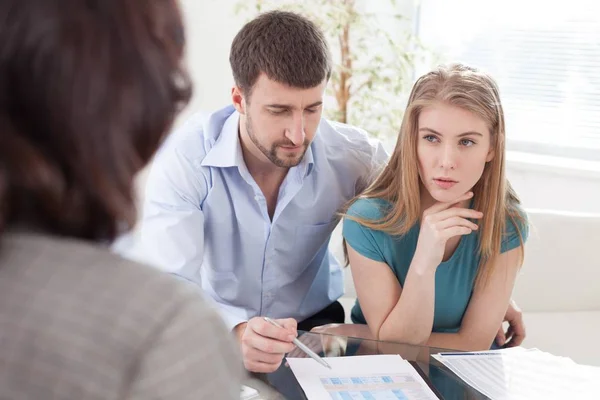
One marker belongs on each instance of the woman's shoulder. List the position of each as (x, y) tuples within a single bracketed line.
[(516, 229), (516, 217), (372, 209)]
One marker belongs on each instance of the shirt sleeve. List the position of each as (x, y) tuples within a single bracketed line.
[(375, 159), (365, 241), (172, 225), (171, 233), (516, 231)]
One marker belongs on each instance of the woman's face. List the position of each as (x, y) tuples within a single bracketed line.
[(453, 146)]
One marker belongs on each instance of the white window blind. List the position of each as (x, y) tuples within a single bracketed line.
[(545, 57)]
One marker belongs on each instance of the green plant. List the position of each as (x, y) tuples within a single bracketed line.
[(373, 68)]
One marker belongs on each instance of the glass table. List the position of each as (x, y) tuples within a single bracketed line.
[(282, 383)]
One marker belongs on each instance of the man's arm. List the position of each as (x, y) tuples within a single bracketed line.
[(172, 238), (172, 225), (515, 333), (372, 160)]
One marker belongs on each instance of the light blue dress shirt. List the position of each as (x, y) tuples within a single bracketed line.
[(205, 218)]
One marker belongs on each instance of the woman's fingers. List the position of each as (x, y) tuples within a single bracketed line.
[(456, 212), (456, 221), (456, 231)]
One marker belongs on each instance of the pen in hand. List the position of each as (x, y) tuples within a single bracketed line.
[(302, 346)]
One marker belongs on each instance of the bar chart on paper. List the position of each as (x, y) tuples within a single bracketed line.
[(375, 387), (377, 377)]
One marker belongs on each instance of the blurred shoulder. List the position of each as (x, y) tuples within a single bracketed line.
[(103, 279), (339, 135)]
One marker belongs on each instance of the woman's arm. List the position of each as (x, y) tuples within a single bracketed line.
[(394, 313), (486, 308), (405, 314), (377, 286)]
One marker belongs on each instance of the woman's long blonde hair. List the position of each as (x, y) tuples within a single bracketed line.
[(399, 184)]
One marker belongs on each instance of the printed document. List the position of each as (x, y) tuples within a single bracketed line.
[(376, 377)]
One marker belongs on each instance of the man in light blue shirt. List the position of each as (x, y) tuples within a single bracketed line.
[(243, 201), (254, 252)]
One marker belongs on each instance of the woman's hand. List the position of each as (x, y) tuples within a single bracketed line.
[(439, 223)]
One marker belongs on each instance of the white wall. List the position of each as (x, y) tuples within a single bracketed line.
[(210, 27)]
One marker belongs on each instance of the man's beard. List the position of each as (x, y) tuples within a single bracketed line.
[(271, 153)]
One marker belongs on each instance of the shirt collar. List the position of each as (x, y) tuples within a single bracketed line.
[(308, 160), (227, 149)]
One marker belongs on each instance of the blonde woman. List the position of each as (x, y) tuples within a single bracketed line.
[(436, 241)]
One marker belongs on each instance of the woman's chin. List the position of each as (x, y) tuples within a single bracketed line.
[(446, 195)]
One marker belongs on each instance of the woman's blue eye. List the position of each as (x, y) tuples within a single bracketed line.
[(430, 138), (466, 142)]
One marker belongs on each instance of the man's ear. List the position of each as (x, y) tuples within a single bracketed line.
[(237, 98)]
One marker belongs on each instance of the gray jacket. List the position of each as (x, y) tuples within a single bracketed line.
[(78, 322)]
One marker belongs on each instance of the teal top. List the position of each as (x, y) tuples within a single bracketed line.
[(454, 278)]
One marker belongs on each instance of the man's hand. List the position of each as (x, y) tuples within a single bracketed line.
[(515, 334), (264, 345)]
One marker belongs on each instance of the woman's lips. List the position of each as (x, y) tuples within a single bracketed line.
[(444, 183)]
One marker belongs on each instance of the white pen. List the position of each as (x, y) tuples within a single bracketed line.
[(302, 346)]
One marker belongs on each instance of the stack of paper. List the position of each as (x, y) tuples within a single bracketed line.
[(524, 374), (375, 377)]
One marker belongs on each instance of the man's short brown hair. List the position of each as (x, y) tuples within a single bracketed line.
[(285, 46)]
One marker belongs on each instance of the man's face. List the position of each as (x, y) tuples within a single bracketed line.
[(281, 120)]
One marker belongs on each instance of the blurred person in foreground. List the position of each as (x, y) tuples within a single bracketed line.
[(87, 91)]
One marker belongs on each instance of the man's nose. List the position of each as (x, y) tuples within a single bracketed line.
[(295, 132)]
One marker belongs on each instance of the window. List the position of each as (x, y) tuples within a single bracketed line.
[(545, 57)]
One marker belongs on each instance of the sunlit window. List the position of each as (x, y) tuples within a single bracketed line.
[(545, 57)]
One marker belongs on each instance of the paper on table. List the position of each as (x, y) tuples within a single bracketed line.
[(360, 377), (529, 374)]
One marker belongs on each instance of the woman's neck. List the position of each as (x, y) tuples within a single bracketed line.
[(427, 200)]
